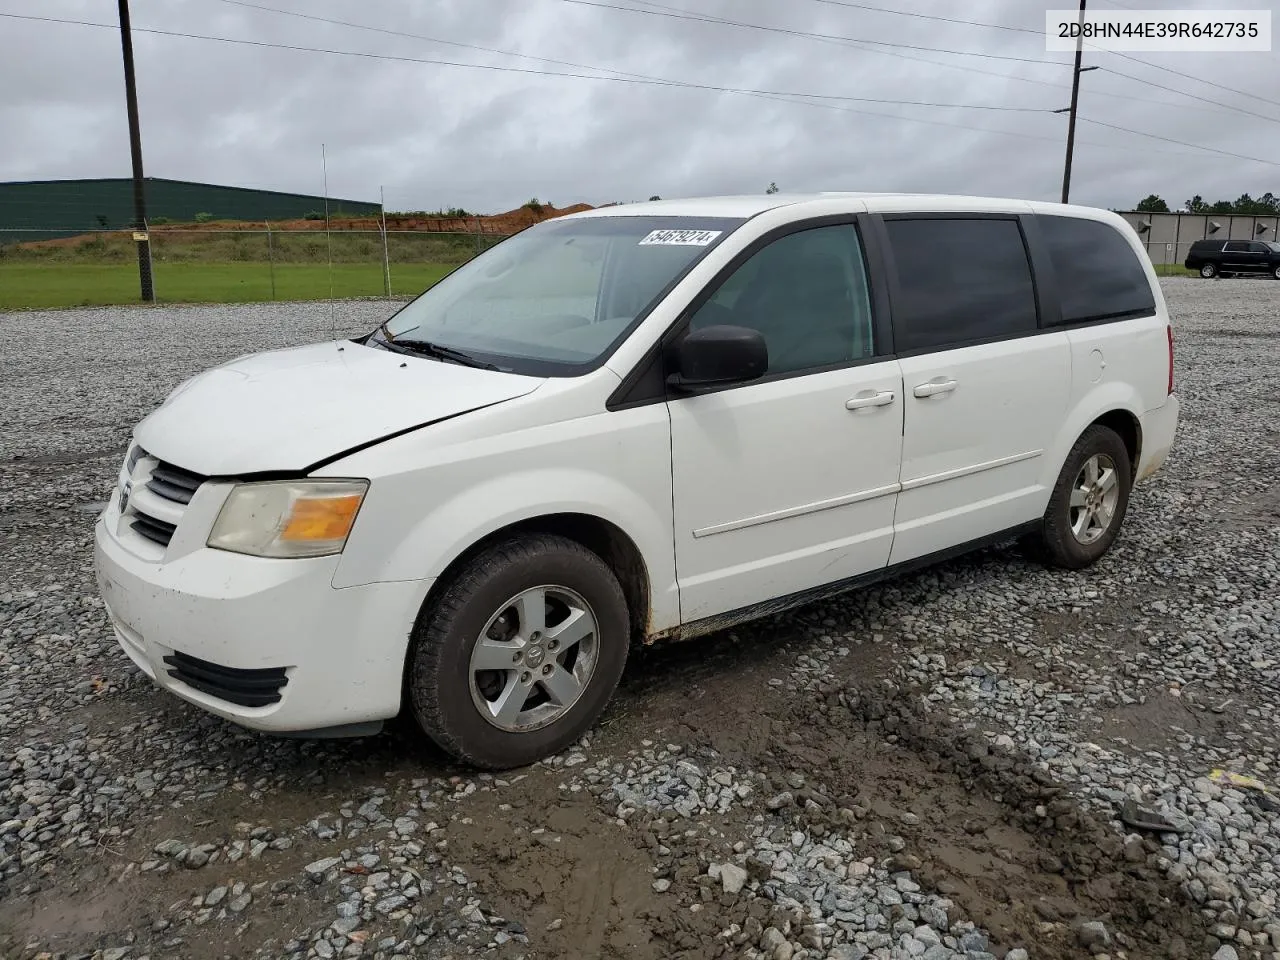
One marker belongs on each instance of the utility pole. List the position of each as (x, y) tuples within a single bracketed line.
[(1075, 101), (140, 234)]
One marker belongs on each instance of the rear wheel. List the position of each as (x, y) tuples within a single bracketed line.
[(1088, 504), (1208, 271), (520, 654)]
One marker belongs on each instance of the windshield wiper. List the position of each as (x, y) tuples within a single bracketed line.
[(439, 352)]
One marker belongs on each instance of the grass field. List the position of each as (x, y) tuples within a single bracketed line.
[(48, 285), (233, 267)]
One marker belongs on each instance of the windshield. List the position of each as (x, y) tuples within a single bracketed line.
[(556, 299), (1275, 247)]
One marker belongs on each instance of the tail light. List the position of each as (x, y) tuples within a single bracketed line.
[(1170, 329)]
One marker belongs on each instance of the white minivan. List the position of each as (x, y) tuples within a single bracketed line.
[(632, 423)]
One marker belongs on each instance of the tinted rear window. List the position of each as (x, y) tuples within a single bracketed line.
[(959, 281), (1099, 275)]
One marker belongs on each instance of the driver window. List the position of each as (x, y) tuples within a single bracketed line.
[(807, 295)]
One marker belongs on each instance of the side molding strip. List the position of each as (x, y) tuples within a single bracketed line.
[(799, 511), (967, 471)]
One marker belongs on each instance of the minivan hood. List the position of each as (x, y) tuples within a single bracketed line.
[(290, 409)]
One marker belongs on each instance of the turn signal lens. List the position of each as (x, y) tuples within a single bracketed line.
[(321, 518), (288, 518)]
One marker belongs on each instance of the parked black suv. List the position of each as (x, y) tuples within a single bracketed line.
[(1213, 257)]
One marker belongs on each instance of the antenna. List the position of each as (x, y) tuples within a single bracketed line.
[(328, 239)]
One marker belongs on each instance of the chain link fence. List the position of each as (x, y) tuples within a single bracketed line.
[(259, 262), (252, 263)]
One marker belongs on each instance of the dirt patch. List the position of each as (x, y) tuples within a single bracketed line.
[(578, 881), (83, 909), (1014, 850), (1260, 510), (498, 224), (1159, 723)]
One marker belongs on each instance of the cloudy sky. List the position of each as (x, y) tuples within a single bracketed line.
[(434, 135)]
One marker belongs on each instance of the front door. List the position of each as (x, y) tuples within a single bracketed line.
[(789, 482)]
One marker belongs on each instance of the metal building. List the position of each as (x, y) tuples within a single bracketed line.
[(51, 208), (1168, 236)]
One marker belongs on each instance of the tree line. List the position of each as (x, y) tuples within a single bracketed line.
[(1267, 205)]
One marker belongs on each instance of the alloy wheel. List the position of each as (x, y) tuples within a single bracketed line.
[(534, 659), (1094, 497)]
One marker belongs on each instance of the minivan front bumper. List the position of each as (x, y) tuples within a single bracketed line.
[(267, 644)]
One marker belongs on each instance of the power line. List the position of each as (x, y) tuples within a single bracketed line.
[(781, 97), (716, 88), (926, 16), (641, 76), (1183, 93), (664, 10), (1001, 26), (429, 39), (1183, 143), (1187, 76), (1178, 73), (511, 53), (674, 13), (903, 56)]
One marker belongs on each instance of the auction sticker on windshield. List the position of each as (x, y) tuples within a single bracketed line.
[(680, 238)]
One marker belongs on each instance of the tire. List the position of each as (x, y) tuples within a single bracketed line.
[(1067, 538), (1208, 270), (506, 717), (1275, 271)]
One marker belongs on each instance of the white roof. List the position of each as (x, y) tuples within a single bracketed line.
[(749, 206), (697, 207), (746, 206)]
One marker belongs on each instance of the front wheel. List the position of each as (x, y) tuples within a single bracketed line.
[(1208, 271), (1275, 271), (520, 653), (1088, 503)]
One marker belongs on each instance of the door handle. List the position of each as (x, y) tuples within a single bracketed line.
[(934, 387), (881, 399)]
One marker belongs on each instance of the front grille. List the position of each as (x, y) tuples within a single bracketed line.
[(247, 688), (155, 530), (152, 517), (174, 483)]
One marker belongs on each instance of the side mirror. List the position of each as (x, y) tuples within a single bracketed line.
[(717, 356)]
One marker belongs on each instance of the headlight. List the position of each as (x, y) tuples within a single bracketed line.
[(131, 458), (288, 518)]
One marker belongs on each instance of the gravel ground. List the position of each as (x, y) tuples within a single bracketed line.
[(935, 767)]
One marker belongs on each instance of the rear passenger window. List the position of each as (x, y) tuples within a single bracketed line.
[(959, 281), (1099, 275)]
